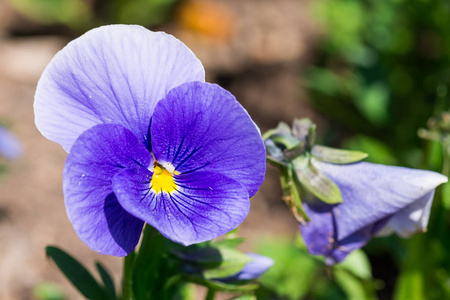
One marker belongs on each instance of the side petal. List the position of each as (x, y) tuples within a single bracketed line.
[(202, 127), (111, 74), (98, 219), (372, 192), (204, 205)]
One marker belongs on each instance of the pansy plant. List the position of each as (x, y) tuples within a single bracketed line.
[(148, 140), (340, 201)]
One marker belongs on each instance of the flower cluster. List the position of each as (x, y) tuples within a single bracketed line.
[(148, 140)]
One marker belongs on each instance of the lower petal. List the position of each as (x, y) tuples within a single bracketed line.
[(203, 206)]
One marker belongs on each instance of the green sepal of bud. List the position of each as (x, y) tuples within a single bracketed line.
[(296, 151), (336, 156), (311, 136), (286, 141), (274, 154), (316, 182), (305, 130), (291, 193), (282, 129), (301, 128)]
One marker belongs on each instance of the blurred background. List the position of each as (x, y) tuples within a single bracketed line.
[(369, 73)]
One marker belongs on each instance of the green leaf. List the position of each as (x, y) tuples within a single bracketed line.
[(48, 291), (358, 264), (74, 13), (373, 102), (244, 297), (446, 195), (77, 274), (108, 282), (316, 182), (214, 260), (231, 243), (185, 291), (295, 271), (352, 287), (232, 262), (337, 156), (410, 286), (220, 286)]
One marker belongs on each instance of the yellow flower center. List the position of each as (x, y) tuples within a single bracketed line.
[(162, 180)]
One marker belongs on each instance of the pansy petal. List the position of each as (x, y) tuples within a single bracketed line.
[(98, 219), (10, 146), (202, 127), (111, 74), (413, 218), (252, 270), (320, 234), (371, 192), (204, 205)]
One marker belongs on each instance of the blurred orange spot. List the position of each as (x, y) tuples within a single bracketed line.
[(207, 18)]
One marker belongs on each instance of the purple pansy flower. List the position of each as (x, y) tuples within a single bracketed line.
[(252, 270), (148, 140), (377, 199), (10, 146)]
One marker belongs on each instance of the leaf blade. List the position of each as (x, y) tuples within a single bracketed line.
[(76, 273)]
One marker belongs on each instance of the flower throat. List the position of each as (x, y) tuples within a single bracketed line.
[(162, 180)]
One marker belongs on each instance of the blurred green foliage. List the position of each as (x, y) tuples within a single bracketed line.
[(298, 275), (82, 15), (382, 69)]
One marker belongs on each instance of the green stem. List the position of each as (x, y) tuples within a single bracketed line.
[(127, 284), (211, 294)]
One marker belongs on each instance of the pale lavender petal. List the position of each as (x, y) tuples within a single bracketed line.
[(371, 192), (204, 205), (377, 199), (98, 219), (111, 74), (413, 218), (202, 127)]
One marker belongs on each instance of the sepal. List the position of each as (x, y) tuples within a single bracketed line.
[(337, 156), (316, 182)]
